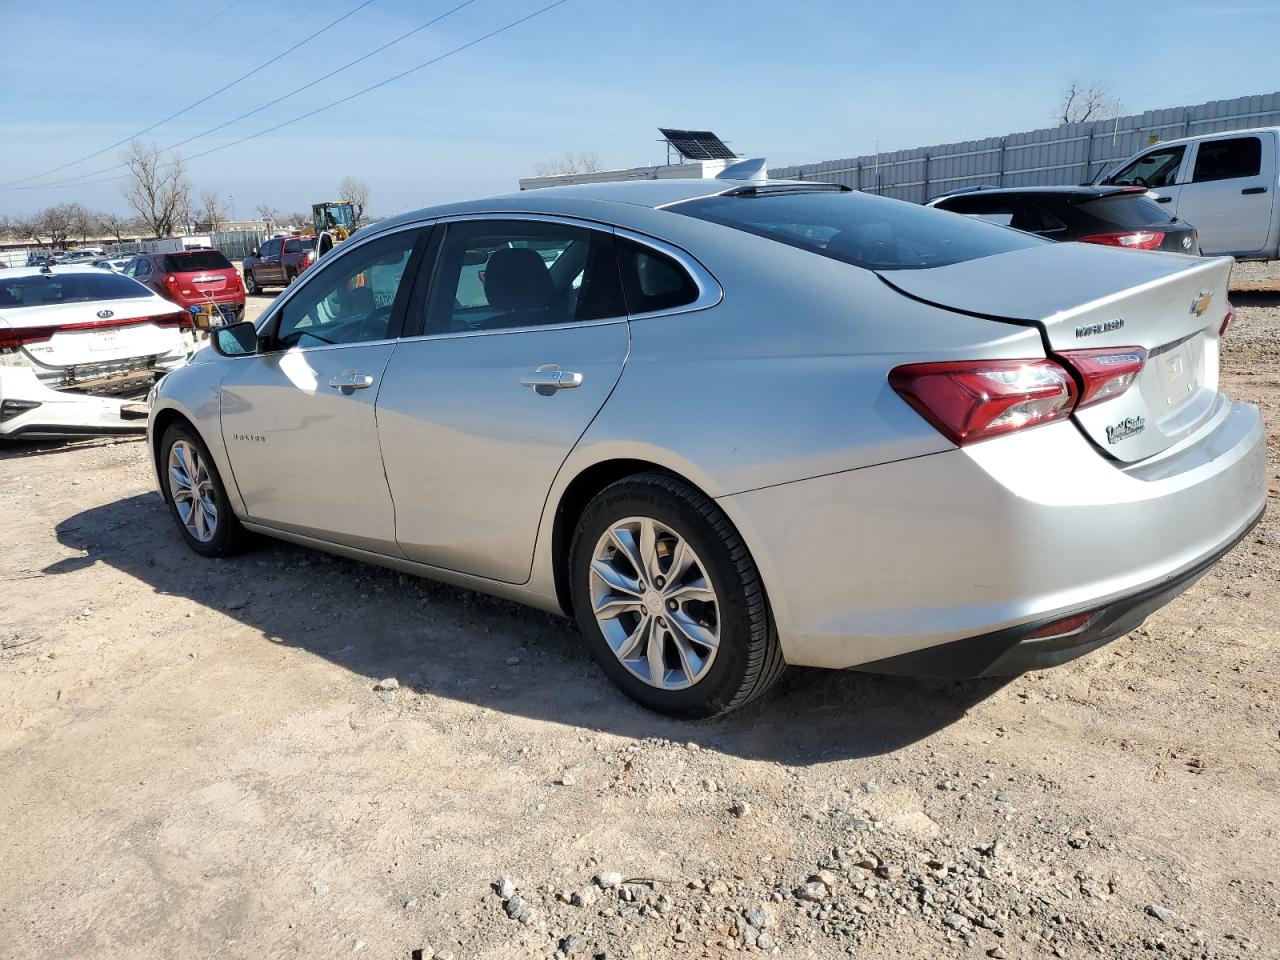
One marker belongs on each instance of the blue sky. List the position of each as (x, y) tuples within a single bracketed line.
[(794, 81)]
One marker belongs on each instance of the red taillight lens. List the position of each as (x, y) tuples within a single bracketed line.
[(1134, 240), (1227, 321), (171, 281), (1058, 628), (1104, 373), (11, 337), (972, 400)]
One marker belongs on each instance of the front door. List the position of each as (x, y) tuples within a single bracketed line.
[(1229, 197), (1157, 170), (267, 271), (525, 336), (298, 420)]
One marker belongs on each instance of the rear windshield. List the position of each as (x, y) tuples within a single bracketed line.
[(868, 231), (297, 245), (43, 289), (195, 260), (1127, 211)]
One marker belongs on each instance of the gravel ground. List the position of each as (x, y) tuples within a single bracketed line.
[(292, 755)]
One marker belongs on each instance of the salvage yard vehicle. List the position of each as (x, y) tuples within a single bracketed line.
[(202, 282), (731, 425), (277, 263), (1112, 216), (79, 347), (1227, 184)]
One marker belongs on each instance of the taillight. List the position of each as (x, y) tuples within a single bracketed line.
[(1104, 373), (1227, 321), (14, 337), (1133, 239), (971, 400)]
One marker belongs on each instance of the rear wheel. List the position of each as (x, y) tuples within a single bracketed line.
[(291, 275), (670, 601), (197, 497), (251, 284)]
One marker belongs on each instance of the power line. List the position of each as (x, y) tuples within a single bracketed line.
[(137, 67), (353, 96), (75, 180), (204, 99)]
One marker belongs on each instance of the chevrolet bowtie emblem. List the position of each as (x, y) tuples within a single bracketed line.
[(1201, 303)]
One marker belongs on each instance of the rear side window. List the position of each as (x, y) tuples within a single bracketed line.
[(651, 280), (195, 260), (1228, 159), (77, 287), (1131, 211), (1025, 213), (868, 231)]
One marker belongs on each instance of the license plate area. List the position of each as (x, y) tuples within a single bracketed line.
[(1174, 375)]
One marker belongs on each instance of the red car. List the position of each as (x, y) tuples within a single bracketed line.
[(204, 279)]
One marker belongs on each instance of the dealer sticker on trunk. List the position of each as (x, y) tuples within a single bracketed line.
[(1125, 428)]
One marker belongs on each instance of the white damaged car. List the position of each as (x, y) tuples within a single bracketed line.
[(79, 350)]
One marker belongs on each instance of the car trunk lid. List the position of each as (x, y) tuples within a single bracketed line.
[(1084, 297)]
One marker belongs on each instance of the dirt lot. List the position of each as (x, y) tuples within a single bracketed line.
[(196, 763)]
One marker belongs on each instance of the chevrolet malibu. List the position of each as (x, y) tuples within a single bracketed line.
[(733, 425)]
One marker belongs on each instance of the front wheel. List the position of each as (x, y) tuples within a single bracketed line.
[(196, 495), (670, 601)]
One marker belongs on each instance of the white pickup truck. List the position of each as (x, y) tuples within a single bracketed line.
[(1225, 184)]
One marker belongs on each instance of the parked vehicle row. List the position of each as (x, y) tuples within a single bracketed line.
[(733, 425)]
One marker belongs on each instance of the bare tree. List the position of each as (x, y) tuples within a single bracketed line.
[(356, 192), (300, 219), (213, 209), (116, 225), (268, 213), (81, 222), (157, 189), (26, 227), (1087, 101), (569, 163), (56, 223)]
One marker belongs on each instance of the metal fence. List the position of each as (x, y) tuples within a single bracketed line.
[(1071, 153), (236, 244)]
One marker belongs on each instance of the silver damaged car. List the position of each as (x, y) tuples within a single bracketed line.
[(734, 425)]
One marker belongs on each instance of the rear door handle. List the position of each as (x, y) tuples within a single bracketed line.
[(549, 378), (1248, 190), (1164, 199), (350, 380)]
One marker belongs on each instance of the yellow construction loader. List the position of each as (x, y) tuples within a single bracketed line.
[(334, 221)]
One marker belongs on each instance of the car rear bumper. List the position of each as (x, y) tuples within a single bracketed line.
[(31, 410), (986, 544)]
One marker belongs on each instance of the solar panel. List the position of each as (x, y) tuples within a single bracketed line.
[(697, 144)]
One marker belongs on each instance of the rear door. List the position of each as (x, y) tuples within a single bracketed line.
[(1231, 193), (298, 421), (524, 336), (1170, 307)]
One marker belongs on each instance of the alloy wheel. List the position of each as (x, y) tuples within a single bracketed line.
[(191, 488), (654, 603)]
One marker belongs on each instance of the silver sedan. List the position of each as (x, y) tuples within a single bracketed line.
[(732, 425)]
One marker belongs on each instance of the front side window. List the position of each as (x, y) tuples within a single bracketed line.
[(1228, 159), (352, 299), (1159, 168), (868, 231), (502, 274)]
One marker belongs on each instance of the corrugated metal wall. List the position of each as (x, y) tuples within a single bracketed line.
[(1072, 153)]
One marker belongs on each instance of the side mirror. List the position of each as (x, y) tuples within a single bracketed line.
[(253, 252), (237, 340)]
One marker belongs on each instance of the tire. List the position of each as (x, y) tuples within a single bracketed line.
[(747, 658), (251, 284), (227, 535), (290, 276)]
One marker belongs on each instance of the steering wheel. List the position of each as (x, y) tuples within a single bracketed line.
[(369, 326)]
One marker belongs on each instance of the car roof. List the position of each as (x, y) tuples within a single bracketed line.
[(1206, 136), (581, 197), (55, 268)]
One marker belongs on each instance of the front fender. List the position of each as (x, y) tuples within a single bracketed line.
[(194, 394)]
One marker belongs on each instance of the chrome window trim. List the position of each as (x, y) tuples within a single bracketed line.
[(507, 331), (282, 299), (710, 292)]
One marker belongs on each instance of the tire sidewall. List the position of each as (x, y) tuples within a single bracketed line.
[(222, 541), (717, 689)]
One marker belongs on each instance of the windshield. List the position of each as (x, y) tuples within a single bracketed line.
[(330, 215), (871, 232), (43, 289), (195, 260)]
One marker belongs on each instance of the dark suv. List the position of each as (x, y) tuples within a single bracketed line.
[(278, 262), (201, 279), (1112, 215)]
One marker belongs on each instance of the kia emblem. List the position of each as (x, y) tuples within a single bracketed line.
[(105, 314)]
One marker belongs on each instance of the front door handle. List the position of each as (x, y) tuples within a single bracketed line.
[(1164, 199), (1248, 190), (350, 380), (549, 378)]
